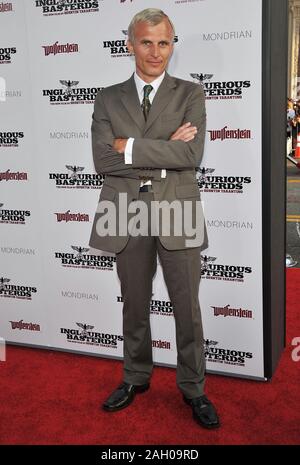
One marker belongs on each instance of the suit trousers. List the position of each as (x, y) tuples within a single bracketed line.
[(136, 267)]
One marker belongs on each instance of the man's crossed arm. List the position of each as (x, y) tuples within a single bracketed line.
[(183, 150)]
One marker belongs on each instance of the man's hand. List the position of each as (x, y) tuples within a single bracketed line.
[(119, 145), (186, 132)]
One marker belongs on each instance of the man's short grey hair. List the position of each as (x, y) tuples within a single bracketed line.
[(152, 16)]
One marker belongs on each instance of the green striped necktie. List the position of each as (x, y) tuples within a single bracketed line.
[(146, 105)]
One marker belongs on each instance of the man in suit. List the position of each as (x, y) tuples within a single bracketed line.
[(148, 137)]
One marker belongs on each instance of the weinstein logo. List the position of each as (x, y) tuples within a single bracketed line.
[(22, 325), (84, 335)]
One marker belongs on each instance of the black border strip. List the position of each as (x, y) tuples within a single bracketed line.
[(273, 51)]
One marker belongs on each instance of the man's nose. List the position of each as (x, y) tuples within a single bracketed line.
[(155, 50)]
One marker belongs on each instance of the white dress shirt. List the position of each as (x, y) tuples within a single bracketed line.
[(140, 90)]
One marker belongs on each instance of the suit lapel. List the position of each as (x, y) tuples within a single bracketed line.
[(163, 96), (131, 102)]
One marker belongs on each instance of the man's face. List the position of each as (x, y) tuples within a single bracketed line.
[(152, 47)]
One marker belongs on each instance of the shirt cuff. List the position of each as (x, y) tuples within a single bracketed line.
[(128, 151), (163, 173)]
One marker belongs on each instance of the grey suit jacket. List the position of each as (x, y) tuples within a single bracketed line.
[(118, 114)]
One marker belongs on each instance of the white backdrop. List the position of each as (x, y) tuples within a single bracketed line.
[(55, 56)]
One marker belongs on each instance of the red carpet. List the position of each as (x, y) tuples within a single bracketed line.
[(49, 397)]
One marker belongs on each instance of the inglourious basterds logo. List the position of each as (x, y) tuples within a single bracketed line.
[(70, 94), (161, 307), (216, 354), (66, 7), (85, 334), (210, 269), (118, 47), (80, 258), (6, 54), (75, 179), (217, 90), (224, 184), (15, 291), (157, 307), (10, 138), (13, 216)]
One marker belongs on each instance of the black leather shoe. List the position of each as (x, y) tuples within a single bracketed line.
[(204, 412), (123, 396)]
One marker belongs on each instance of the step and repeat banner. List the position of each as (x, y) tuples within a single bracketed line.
[(55, 55)]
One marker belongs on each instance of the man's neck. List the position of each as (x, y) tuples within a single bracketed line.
[(149, 79)]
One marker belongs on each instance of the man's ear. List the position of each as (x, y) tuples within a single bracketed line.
[(130, 47)]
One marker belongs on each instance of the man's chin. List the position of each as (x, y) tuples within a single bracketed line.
[(155, 72)]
